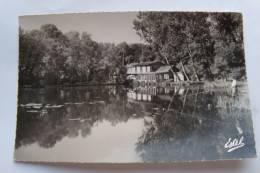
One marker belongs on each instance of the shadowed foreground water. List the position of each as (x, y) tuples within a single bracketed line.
[(117, 124)]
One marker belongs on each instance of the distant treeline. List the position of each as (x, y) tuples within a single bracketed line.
[(204, 46), (49, 57)]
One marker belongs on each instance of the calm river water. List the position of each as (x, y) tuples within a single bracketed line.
[(117, 124)]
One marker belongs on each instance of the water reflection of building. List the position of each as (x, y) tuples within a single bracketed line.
[(153, 72), (139, 96), (147, 94)]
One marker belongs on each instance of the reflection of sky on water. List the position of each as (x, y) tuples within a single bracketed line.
[(100, 146), (116, 124)]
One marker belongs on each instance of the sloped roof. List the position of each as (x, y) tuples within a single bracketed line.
[(163, 69), (151, 62), (143, 63), (132, 64), (166, 68)]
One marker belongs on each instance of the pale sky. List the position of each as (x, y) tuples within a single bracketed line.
[(103, 27)]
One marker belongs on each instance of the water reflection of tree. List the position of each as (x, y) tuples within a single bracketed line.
[(82, 109), (182, 124), (195, 126)]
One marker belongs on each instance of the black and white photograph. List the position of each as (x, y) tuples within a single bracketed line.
[(133, 87)]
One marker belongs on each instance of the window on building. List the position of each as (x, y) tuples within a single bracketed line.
[(166, 76), (148, 69), (138, 69), (143, 69)]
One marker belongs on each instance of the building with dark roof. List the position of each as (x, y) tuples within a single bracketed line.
[(153, 72)]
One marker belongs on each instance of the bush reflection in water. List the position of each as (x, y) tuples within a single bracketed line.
[(181, 123)]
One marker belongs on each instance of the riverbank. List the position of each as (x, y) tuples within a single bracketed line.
[(70, 85), (166, 84)]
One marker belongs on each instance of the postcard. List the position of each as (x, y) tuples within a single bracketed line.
[(133, 87)]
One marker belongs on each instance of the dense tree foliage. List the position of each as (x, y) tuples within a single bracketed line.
[(205, 46), (50, 57)]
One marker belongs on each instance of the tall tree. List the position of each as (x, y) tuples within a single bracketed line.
[(91, 55), (183, 38), (31, 52), (227, 30)]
